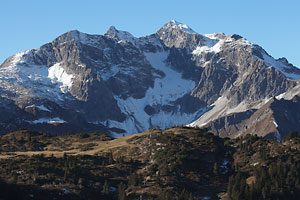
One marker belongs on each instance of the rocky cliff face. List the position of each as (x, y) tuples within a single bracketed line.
[(276, 118), (122, 84)]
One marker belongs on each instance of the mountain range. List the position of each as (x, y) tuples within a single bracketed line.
[(121, 84)]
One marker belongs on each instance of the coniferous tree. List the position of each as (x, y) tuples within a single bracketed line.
[(105, 188), (133, 179), (65, 175), (185, 195), (216, 169), (230, 186), (110, 158), (291, 135), (121, 192)]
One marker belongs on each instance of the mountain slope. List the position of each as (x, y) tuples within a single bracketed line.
[(277, 118), (122, 84), (176, 163)]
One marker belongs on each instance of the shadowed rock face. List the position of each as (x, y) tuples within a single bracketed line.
[(276, 116), (122, 84)]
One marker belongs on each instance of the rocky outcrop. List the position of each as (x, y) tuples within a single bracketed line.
[(277, 118)]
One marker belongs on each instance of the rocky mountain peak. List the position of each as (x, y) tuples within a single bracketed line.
[(71, 35), (283, 60), (74, 33), (175, 25), (120, 36), (236, 36), (179, 35)]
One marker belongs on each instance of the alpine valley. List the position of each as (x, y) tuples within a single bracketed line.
[(121, 85)]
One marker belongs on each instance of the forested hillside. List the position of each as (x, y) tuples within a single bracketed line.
[(178, 163)]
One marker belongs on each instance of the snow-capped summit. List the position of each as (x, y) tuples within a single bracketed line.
[(173, 24), (120, 36), (73, 35), (179, 35)]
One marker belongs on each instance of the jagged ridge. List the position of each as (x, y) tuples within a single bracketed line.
[(123, 84)]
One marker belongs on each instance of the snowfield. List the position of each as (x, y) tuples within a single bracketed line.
[(165, 90), (57, 74), (48, 121), (24, 79)]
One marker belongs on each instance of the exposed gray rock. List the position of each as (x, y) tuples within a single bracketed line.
[(276, 118), (122, 84)]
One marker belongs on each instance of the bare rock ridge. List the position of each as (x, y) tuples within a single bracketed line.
[(122, 84)]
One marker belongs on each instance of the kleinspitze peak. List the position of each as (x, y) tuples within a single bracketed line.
[(122, 84)]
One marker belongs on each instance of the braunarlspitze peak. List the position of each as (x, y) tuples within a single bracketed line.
[(173, 24)]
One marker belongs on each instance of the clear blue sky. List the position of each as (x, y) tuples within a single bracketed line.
[(273, 24)]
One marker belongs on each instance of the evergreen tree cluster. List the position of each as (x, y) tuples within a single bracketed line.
[(280, 181)]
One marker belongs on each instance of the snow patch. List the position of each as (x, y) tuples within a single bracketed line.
[(288, 95), (278, 97), (87, 39), (210, 45), (172, 86), (212, 36), (31, 106), (17, 58), (244, 42), (267, 100), (48, 121), (270, 61), (184, 27), (41, 107), (121, 36), (278, 137), (58, 75), (216, 48), (20, 79), (219, 108), (274, 122)]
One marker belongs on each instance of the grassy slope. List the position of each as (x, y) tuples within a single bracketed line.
[(177, 163)]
